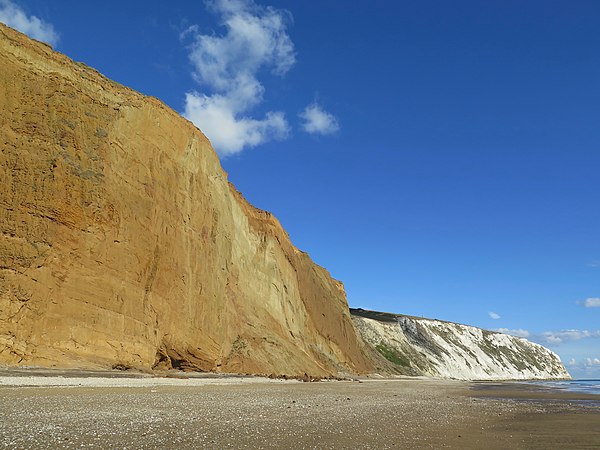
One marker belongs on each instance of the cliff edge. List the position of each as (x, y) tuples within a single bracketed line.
[(122, 244)]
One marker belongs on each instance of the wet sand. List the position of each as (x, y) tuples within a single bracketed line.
[(542, 418), (229, 412)]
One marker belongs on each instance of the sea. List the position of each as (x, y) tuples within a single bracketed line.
[(579, 386)]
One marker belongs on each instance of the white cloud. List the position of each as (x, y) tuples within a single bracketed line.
[(592, 302), (228, 65), (518, 332), (228, 133), (585, 367), (14, 16), (256, 37), (318, 121), (558, 337), (494, 315)]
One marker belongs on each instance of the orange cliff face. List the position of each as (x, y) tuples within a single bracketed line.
[(123, 244)]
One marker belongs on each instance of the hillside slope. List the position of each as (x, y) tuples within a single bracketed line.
[(123, 244), (415, 346)]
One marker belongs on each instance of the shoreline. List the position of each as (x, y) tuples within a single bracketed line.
[(518, 390)]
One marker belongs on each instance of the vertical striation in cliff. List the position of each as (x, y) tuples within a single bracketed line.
[(123, 244)]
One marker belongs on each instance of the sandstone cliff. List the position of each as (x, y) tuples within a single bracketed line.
[(123, 244), (414, 346)]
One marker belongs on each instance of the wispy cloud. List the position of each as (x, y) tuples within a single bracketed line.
[(589, 362), (592, 302), (494, 315), (317, 121), (228, 65), (519, 332), (558, 337), (14, 16)]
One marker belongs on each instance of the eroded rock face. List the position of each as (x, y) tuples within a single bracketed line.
[(123, 244), (414, 346)]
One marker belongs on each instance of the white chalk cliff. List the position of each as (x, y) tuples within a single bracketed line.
[(414, 346)]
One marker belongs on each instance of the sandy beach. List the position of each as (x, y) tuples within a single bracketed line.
[(85, 410)]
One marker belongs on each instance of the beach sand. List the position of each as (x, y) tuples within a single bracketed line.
[(84, 410)]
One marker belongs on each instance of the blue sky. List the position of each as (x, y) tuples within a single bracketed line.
[(440, 158)]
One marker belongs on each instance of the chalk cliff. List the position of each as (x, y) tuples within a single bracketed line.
[(122, 244), (415, 346)]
